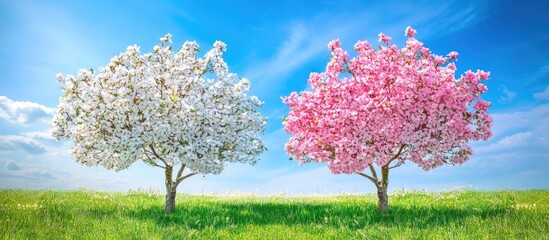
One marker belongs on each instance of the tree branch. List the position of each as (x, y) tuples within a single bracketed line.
[(397, 165), (157, 156), (399, 152), (373, 170), (396, 155), (180, 172), (180, 179), (151, 161), (368, 177)]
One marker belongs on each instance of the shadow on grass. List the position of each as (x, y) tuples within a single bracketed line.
[(225, 215)]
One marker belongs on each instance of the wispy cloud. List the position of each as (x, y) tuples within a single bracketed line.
[(507, 96), (307, 40), (23, 112), (304, 42), (454, 20), (542, 95), (535, 78)]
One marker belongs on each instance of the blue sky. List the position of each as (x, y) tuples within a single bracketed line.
[(275, 45)]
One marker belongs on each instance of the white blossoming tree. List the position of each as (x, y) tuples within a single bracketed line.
[(172, 110)]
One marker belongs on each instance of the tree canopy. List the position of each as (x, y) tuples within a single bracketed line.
[(164, 107)]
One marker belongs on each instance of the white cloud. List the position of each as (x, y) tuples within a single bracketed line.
[(542, 95), (23, 112), (507, 96), (15, 143), (17, 174), (41, 175), (518, 130), (518, 149), (43, 137), (11, 165), (33, 143), (514, 141), (533, 120)]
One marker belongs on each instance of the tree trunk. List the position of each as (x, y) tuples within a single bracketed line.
[(171, 189), (382, 199), (171, 186), (170, 201), (382, 196)]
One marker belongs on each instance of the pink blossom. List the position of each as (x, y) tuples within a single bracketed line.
[(362, 46), (396, 105), (483, 74), (453, 55), (439, 59), (410, 32), (451, 66), (481, 105), (482, 88), (334, 44), (384, 38)]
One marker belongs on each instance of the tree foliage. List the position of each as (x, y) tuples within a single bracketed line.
[(164, 107)]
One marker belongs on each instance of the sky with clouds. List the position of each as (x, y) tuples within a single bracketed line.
[(275, 44)]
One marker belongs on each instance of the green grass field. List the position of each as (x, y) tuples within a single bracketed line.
[(413, 215)]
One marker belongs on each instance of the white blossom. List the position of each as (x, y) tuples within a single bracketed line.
[(161, 106)]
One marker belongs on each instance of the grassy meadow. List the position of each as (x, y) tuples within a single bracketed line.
[(139, 215)]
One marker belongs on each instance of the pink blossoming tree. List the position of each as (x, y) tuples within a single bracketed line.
[(387, 107)]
